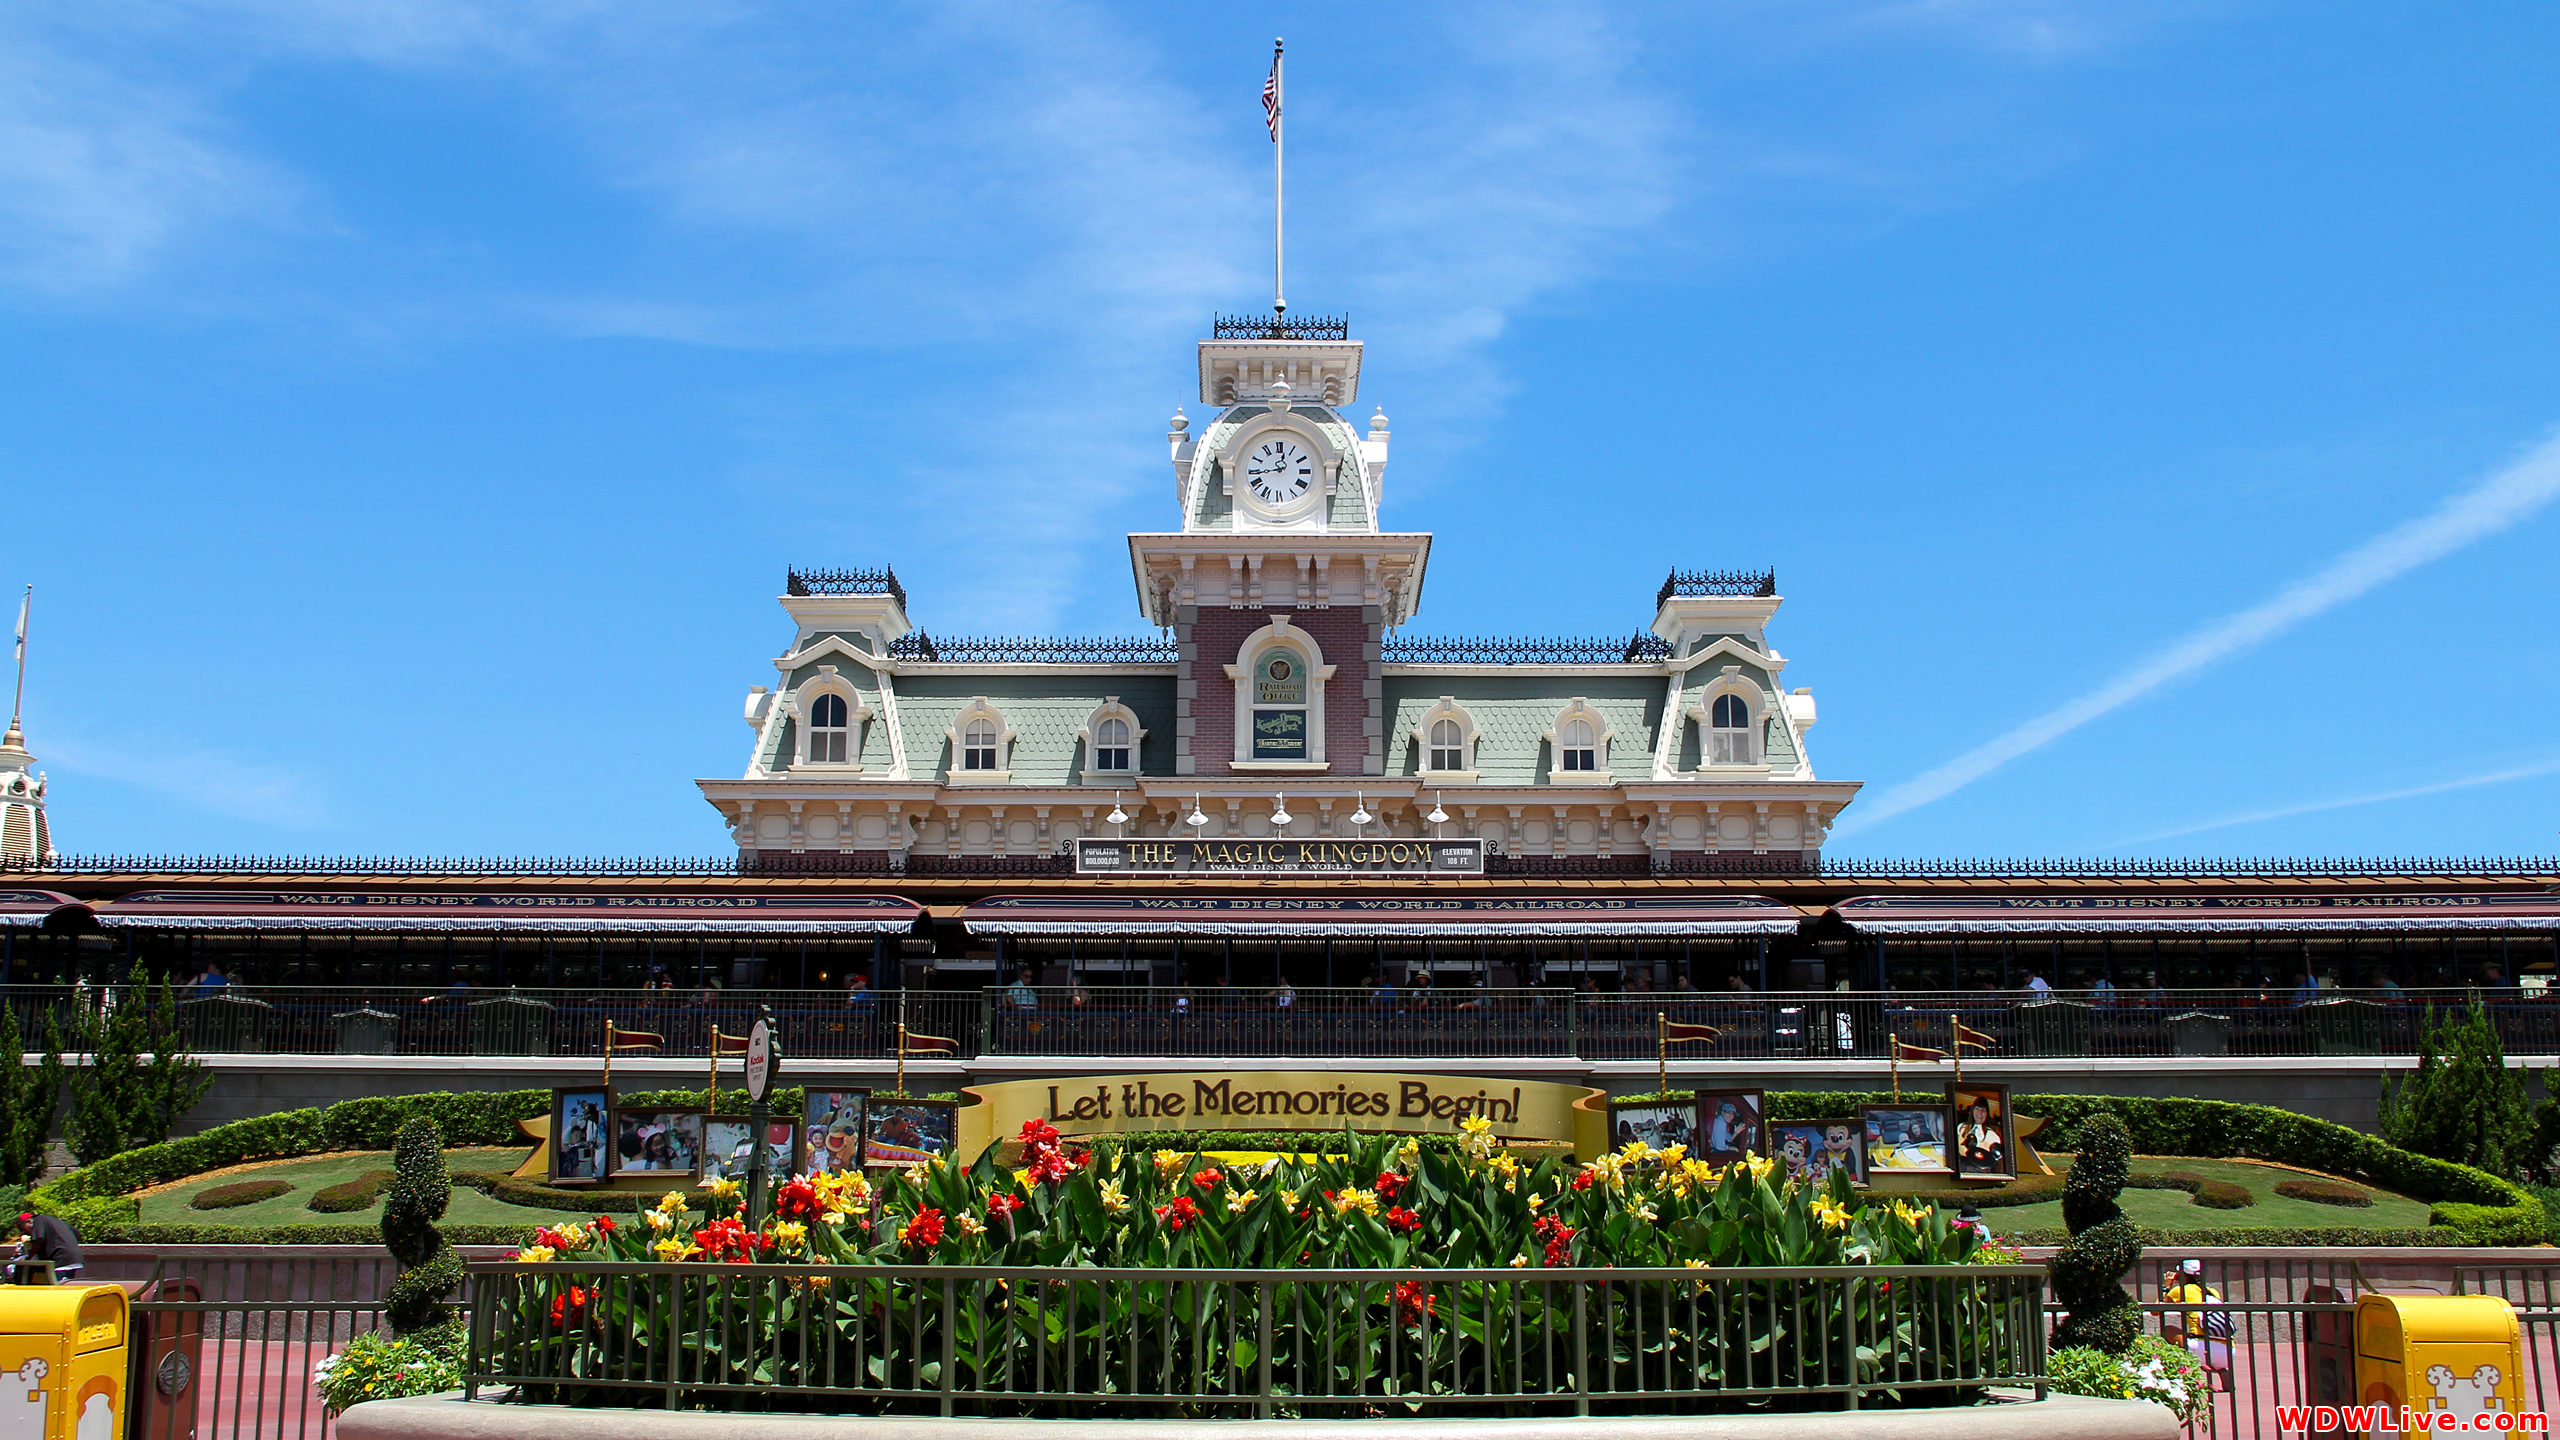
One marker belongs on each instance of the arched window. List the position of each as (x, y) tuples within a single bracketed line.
[(1577, 747), (1448, 745), (829, 733), (1111, 745), (978, 748), (1729, 733)]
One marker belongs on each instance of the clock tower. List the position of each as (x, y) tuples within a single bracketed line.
[(1280, 584)]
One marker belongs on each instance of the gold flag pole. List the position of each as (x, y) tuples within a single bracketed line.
[(1896, 1042), (902, 1057), (608, 1054), (1661, 1057), (1955, 1047)]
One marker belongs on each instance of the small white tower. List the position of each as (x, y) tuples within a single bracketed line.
[(26, 842)]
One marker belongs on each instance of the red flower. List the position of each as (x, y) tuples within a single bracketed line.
[(1558, 1237), (1415, 1302), (1178, 1214), (604, 1225), (797, 1199), (925, 1231), (549, 1239), (1402, 1221), (1048, 1166), (1206, 1179), (1582, 1181), (1389, 1182), (570, 1309), (999, 1206), (1037, 1133), (728, 1240)]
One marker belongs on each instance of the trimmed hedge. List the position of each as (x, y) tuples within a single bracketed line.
[(2323, 1192), (348, 1196), (232, 1197), (509, 1190), (2025, 1190), (2211, 1194), (2475, 1205), (2296, 1237), (132, 1234)]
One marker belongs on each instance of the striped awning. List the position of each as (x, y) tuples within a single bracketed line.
[(797, 913), (2196, 914), (26, 909), (1347, 917)]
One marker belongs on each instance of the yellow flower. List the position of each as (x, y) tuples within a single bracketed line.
[(668, 1249), (1475, 1125), (573, 1237), (1633, 1151), (1520, 1260), (1832, 1214), (1115, 1201), (1671, 1155), (834, 1217), (1760, 1166), (1411, 1151), (1169, 1161), (1536, 1200), (968, 1224), (789, 1234), (1289, 1200), (1638, 1210), (1346, 1201), (720, 1187), (1694, 1264), (1910, 1213), (656, 1220), (536, 1254), (1241, 1201), (674, 1203)]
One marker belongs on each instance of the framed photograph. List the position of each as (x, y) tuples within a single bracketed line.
[(581, 1134), (1729, 1126), (728, 1148), (907, 1132), (1906, 1139), (657, 1142), (1660, 1124), (1809, 1150), (1986, 1137), (831, 1124)]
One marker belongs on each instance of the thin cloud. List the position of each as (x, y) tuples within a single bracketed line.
[(2504, 500), (225, 784), (2501, 777)]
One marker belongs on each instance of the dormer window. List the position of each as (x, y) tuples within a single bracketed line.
[(1448, 745), (1730, 740), (829, 730), (1111, 745), (978, 748), (1577, 746)]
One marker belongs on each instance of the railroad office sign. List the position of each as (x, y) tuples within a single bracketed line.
[(1279, 857)]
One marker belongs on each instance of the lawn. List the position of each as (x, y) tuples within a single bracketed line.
[(167, 1204), (2174, 1210)]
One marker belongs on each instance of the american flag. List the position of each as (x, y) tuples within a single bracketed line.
[(1271, 96)]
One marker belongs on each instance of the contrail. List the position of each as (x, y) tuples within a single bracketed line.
[(2503, 500), (2526, 772)]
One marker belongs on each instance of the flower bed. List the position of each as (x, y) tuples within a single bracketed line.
[(1136, 1283)]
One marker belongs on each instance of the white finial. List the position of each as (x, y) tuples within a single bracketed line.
[(1180, 422), (1378, 422), (1280, 393)]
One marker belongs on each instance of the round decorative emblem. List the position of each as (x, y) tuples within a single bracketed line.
[(1280, 669), (173, 1374)]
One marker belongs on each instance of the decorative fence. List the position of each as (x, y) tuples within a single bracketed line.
[(956, 1340), (1352, 1023)]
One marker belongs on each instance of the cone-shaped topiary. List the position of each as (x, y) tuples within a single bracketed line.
[(420, 1191), (2103, 1244)]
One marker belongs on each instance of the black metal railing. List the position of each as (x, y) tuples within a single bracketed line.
[(1279, 327), (1403, 1020), (1043, 650), (1095, 1342), (1717, 582), (1641, 648), (883, 581)]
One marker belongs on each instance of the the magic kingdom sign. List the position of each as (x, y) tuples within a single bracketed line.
[(1279, 857)]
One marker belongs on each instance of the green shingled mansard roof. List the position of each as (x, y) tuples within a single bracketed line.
[(1047, 719)]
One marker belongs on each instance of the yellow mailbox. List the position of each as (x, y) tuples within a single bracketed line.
[(2456, 1354), (62, 1362)]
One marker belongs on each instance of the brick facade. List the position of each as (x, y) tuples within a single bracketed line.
[(1211, 641)]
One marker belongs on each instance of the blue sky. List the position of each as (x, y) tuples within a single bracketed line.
[(412, 407)]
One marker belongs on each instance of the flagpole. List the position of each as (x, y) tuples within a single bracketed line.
[(1661, 1057), (902, 1057), (1955, 1047), (608, 1054), (1896, 1042), (1279, 300), (17, 706)]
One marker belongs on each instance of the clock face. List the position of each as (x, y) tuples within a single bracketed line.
[(1280, 471)]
